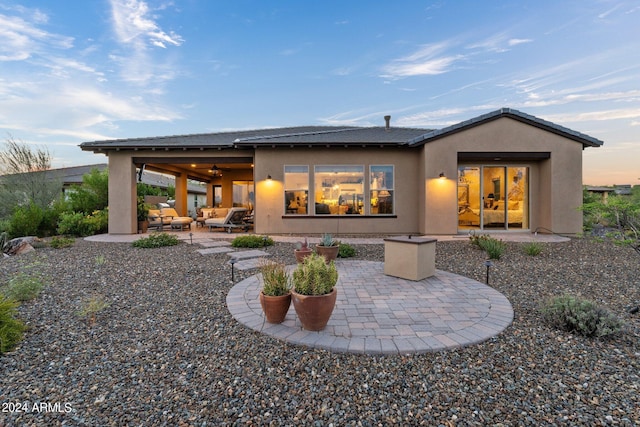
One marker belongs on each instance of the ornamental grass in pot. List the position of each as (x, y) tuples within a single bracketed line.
[(275, 296), (314, 293), (328, 247)]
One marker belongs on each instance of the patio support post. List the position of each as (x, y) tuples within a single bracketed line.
[(181, 194)]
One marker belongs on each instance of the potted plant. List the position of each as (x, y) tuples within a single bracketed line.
[(302, 250), (275, 296), (328, 247), (143, 215), (314, 293)]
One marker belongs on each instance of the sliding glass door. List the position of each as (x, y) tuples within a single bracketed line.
[(493, 197)]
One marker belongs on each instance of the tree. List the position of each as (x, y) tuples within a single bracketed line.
[(25, 177), (93, 194)]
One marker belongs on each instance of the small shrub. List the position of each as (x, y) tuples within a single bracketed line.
[(58, 242), (275, 277), (532, 248), (156, 240), (11, 328), (91, 307), (25, 220), (493, 247), (252, 241), (346, 250), (78, 224), (574, 314), (23, 287)]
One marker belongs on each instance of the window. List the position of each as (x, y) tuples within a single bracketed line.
[(296, 190), (243, 194), (339, 190), (381, 189)]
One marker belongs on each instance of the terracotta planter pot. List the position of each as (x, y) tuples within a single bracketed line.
[(330, 253), (275, 308), (142, 226), (301, 254), (314, 311)]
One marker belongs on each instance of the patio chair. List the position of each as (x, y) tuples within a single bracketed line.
[(234, 219)]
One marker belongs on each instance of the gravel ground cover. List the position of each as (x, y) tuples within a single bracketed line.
[(166, 352)]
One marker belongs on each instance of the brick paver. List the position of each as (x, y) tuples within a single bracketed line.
[(380, 314)]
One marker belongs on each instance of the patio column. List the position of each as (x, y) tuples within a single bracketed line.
[(181, 194), (122, 194)]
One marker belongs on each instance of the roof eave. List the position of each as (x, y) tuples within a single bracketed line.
[(585, 140)]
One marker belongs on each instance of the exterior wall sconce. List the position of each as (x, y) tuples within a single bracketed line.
[(268, 177), (442, 175)]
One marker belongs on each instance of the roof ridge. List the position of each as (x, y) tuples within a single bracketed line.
[(273, 136)]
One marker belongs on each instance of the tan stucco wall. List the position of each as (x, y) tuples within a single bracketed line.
[(122, 194), (270, 194), (555, 184)]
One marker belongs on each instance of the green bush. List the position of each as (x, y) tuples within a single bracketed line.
[(346, 250), (23, 287), (493, 247), (313, 276), (574, 314), (58, 242), (78, 224), (156, 240), (25, 220), (251, 241), (11, 328), (532, 248)]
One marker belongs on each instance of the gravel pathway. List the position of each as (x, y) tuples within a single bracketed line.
[(166, 351)]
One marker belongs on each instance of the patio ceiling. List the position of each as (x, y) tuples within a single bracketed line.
[(196, 168)]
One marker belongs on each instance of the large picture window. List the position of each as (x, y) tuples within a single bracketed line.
[(296, 190), (339, 190), (381, 189)]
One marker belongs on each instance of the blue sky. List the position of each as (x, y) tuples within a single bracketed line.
[(80, 70)]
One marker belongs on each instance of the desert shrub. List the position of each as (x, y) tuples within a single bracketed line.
[(252, 241), (579, 315), (23, 287), (346, 250), (493, 247), (78, 224), (90, 307), (156, 240), (11, 328), (58, 242), (532, 248), (25, 220)]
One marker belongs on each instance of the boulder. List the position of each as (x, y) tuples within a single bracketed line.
[(19, 245)]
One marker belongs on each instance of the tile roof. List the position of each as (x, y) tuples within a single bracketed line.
[(327, 135), (586, 140)]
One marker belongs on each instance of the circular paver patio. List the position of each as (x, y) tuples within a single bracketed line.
[(380, 314)]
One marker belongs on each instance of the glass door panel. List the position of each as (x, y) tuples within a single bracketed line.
[(469, 199), (493, 192), (518, 198)]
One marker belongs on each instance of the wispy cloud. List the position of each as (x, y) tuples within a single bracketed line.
[(430, 59), (22, 39), (136, 29), (134, 24)]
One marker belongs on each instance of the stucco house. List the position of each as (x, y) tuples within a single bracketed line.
[(502, 171)]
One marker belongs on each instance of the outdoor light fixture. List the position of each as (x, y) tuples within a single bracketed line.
[(214, 170), (232, 261), (442, 175), (489, 264), (268, 177)]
